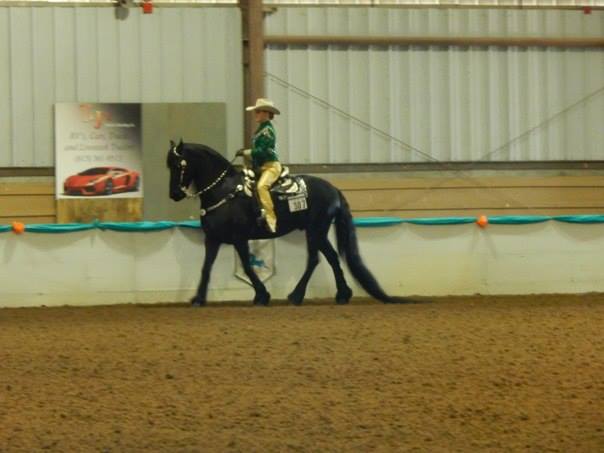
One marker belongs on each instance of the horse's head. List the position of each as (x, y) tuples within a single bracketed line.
[(192, 163), (180, 176)]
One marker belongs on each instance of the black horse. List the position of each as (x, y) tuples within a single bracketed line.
[(229, 216)]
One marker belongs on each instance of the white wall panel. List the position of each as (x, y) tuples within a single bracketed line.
[(67, 54), (421, 103), (42, 84), (6, 122), (163, 266), (22, 98)]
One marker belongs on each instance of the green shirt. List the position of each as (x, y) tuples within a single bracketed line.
[(263, 145)]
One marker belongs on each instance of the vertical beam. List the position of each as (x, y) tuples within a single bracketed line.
[(253, 57)]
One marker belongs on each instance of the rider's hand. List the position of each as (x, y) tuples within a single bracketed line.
[(242, 152)]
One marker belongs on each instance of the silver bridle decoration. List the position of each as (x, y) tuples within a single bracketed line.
[(186, 189), (226, 199)]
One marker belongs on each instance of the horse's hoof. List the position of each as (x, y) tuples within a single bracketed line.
[(197, 302), (343, 297), (262, 299), (295, 300)]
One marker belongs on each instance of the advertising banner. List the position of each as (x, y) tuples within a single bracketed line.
[(98, 150)]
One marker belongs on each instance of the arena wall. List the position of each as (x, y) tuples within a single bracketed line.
[(395, 102), (341, 104), (108, 267), (406, 195), (53, 53)]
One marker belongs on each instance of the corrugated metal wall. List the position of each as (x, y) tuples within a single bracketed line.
[(398, 104), (341, 104), (69, 54)]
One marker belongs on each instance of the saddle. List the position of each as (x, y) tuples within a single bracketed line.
[(285, 187)]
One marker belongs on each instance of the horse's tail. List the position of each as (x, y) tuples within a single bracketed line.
[(349, 248)]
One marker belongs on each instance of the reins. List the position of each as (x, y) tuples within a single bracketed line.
[(191, 194), (185, 189)]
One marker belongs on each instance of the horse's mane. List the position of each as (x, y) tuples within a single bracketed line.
[(200, 150)]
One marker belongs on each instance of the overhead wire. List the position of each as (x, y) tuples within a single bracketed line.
[(456, 173)]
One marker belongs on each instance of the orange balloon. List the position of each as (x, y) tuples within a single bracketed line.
[(18, 227), (482, 221)]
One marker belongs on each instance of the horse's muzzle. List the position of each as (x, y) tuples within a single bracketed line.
[(177, 195)]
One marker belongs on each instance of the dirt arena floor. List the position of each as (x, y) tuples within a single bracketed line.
[(455, 375)]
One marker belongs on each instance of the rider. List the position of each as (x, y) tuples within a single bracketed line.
[(264, 156)]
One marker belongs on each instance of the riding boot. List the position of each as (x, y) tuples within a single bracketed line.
[(271, 224)]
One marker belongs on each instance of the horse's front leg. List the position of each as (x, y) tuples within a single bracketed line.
[(212, 247), (262, 296)]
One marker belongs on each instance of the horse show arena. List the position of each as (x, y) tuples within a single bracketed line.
[(468, 143), (453, 374)]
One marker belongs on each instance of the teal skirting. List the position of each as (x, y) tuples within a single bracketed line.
[(360, 222)]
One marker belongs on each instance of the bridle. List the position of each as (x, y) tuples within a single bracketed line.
[(186, 189), (190, 194)]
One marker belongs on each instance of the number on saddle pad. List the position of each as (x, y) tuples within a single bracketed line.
[(297, 204)]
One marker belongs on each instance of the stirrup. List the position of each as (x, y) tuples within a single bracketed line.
[(261, 219)]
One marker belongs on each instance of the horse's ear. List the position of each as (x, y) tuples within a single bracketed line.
[(180, 144), (172, 144)]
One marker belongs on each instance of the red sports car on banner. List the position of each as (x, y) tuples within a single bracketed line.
[(102, 181)]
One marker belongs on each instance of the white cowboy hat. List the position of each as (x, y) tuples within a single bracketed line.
[(264, 104)]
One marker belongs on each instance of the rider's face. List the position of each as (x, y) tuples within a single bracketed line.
[(261, 116)]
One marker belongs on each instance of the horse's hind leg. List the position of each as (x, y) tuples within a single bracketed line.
[(297, 295), (262, 296), (344, 293)]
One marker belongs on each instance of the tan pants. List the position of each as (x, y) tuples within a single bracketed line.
[(270, 171)]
